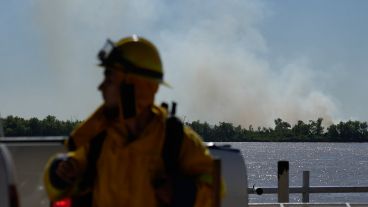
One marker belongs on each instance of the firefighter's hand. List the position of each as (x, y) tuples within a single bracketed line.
[(68, 170)]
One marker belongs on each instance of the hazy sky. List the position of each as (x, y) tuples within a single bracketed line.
[(243, 61)]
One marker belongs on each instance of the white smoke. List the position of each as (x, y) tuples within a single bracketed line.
[(213, 52)]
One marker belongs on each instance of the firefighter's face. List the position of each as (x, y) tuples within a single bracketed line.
[(145, 89), (110, 88)]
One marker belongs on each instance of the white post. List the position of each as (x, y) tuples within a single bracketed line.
[(283, 181), (305, 198)]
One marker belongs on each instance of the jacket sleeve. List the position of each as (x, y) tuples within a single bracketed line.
[(196, 160), (55, 187)]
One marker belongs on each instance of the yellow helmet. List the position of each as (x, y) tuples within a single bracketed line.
[(137, 54)]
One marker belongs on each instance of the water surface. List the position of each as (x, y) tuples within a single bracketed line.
[(338, 164)]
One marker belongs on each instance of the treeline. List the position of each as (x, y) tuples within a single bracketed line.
[(14, 126), (312, 131)]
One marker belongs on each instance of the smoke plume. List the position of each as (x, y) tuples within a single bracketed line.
[(214, 56)]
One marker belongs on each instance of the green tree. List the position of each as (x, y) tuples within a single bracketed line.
[(282, 129), (301, 130), (316, 128), (15, 126), (35, 127), (333, 133), (225, 131), (202, 129)]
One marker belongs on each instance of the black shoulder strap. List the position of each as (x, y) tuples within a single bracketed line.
[(92, 157), (85, 199), (173, 141), (183, 187)]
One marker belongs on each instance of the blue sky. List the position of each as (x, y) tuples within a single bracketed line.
[(246, 62)]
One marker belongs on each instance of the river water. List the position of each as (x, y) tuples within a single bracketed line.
[(338, 164)]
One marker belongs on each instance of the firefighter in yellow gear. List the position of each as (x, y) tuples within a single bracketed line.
[(115, 156)]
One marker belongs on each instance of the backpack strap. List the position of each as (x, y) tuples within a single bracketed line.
[(85, 200), (92, 157), (173, 140), (183, 187)]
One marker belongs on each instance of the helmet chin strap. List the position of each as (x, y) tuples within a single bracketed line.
[(127, 94)]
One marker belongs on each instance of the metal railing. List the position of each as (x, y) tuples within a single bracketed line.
[(308, 205), (284, 190), (48, 139)]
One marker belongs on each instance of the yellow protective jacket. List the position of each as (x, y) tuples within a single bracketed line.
[(126, 171)]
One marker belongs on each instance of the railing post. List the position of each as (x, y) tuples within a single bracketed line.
[(305, 198), (217, 183), (283, 181)]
